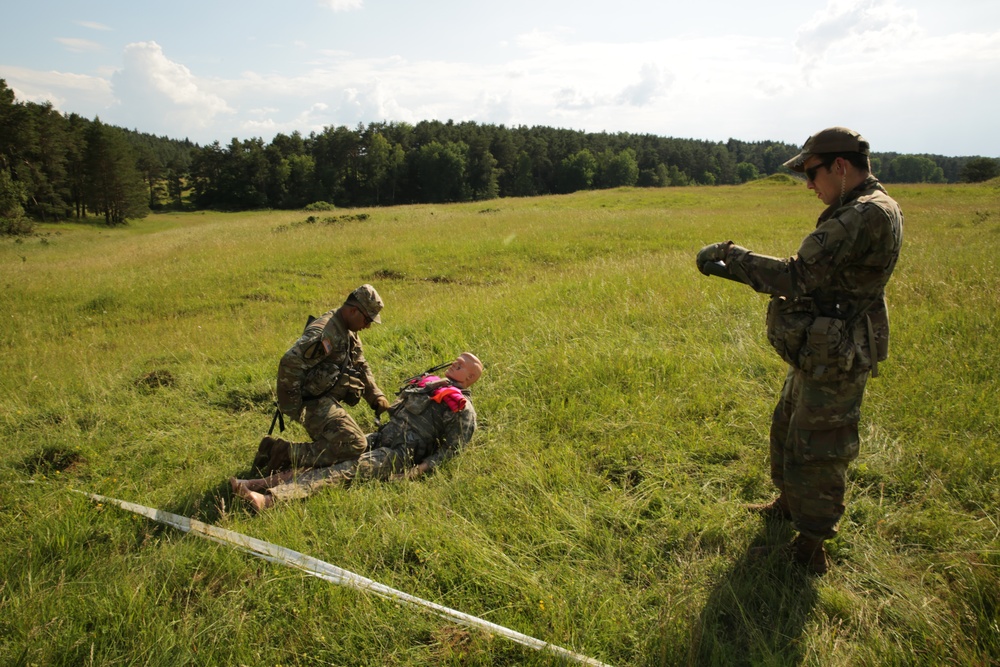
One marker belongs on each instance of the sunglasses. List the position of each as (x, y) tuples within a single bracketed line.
[(811, 171)]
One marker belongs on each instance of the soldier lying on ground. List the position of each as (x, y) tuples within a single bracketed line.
[(430, 421)]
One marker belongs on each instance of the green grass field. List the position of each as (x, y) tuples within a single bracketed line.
[(624, 415)]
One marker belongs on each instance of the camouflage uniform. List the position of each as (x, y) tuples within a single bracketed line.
[(843, 266), (324, 368), (420, 430)]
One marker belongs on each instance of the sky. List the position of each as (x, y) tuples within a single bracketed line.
[(912, 76)]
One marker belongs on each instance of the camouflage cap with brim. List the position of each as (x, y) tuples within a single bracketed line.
[(830, 140), (368, 301)]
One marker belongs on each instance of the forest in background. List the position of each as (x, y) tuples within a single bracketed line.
[(56, 166)]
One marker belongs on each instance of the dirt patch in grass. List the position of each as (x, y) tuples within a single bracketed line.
[(155, 380), (53, 459)]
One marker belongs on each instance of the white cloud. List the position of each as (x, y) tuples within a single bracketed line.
[(496, 108), (157, 95), (653, 82), (574, 100), (75, 45), (69, 93), (329, 97), (857, 26), (539, 40), (378, 102), (93, 25), (263, 122), (676, 81)]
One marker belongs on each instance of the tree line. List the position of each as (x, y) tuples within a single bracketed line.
[(56, 166)]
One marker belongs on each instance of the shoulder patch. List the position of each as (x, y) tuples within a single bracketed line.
[(820, 237)]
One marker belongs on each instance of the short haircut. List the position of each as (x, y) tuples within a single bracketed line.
[(858, 160)]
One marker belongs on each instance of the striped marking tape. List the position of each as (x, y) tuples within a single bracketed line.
[(332, 573)]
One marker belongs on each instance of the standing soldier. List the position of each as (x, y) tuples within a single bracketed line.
[(828, 319), (321, 372)]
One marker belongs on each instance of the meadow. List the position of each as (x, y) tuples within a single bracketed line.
[(623, 415)]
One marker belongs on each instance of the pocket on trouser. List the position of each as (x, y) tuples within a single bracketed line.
[(823, 406), (336, 436), (815, 494), (837, 444), (816, 478), (781, 421), (326, 420), (382, 463)]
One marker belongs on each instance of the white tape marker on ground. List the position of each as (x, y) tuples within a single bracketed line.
[(332, 573)]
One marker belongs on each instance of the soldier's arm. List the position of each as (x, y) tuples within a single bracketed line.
[(457, 430), (372, 392), (769, 275), (820, 254)]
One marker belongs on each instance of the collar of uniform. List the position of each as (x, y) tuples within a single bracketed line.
[(336, 326), (867, 185)]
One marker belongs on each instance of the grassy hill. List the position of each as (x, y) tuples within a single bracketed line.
[(624, 415)]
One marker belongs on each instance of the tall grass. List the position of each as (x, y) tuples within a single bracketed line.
[(624, 415)]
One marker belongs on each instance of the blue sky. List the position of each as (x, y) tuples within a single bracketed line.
[(913, 76)]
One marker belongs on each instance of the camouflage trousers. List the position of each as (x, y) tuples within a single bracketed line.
[(377, 463), (814, 436), (335, 435)]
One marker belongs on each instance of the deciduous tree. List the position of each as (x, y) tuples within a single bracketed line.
[(915, 169), (621, 170), (980, 169)]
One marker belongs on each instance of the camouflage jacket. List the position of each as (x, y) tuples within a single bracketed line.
[(313, 365), (844, 264), (427, 430)]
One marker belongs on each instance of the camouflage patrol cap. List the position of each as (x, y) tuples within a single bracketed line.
[(366, 299), (830, 140)]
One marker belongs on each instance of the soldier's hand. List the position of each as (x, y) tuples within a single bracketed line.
[(716, 252), (381, 405)]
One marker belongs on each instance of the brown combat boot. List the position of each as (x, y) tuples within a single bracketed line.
[(774, 510), (809, 553), (804, 551), (263, 453), (281, 456)]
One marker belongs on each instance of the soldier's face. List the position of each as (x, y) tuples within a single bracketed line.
[(355, 319), (825, 181)]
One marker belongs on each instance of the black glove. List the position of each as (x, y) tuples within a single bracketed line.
[(716, 252)]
